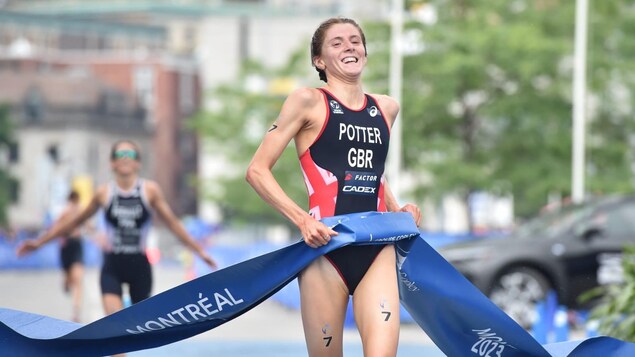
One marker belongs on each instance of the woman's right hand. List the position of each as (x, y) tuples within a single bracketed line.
[(208, 260), (315, 233), (27, 247)]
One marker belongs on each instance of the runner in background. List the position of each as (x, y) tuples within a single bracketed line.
[(128, 203), (72, 255)]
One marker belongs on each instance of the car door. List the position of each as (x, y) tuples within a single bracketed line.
[(616, 228), (603, 237)]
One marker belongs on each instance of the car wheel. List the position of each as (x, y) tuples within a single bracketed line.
[(517, 291)]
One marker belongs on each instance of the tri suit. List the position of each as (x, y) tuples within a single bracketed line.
[(71, 252), (343, 171), (128, 219)]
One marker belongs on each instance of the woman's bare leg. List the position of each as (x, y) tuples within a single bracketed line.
[(324, 298), (376, 306), (112, 303), (74, 278)]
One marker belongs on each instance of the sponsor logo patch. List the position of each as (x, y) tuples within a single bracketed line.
[(373, 111), (359, 182), (335, 107)]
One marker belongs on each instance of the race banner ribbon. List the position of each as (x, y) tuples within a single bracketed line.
[(460, 319)]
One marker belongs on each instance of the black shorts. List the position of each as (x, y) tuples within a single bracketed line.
[(131, 269), (352, 262), (71, 252)]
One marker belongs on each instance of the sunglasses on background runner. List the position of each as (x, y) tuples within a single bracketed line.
[(121, 154)]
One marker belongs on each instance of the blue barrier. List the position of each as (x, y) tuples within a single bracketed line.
[(47, 257), (552, 323)]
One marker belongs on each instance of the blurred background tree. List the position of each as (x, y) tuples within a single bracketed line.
[(487, 98), (7, 183), (611, 130), (241, 115)]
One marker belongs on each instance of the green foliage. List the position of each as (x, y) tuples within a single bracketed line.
[(616, 312), (6, 181), (611, 149), (243, 112), (487, 103), (490, 57)]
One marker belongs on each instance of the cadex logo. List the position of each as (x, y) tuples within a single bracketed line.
[(358, 182)]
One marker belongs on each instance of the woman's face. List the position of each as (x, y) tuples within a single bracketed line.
[(125, 160), (343, 53)]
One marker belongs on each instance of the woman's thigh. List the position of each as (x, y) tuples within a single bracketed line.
[(324, 298), (376, 306)]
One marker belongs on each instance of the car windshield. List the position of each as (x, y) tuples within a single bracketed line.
[(552, 224)]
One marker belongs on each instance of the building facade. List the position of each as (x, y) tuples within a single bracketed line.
[(69, 109), (165, 56)]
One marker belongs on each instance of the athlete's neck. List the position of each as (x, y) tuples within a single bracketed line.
[(126, 182), (351, 95)]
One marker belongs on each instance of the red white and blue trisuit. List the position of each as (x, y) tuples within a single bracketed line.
[(343, 171)]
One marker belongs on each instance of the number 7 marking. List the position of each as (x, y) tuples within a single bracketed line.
[(387, 313)]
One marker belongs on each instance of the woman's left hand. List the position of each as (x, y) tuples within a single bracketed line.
[(414, 210), (208, 260)]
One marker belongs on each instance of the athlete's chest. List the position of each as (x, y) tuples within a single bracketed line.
[(365, 126)]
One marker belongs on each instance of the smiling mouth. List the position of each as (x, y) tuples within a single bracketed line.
[(349, 60)]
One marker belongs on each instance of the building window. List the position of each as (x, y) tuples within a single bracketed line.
[(144, 83), (14, 153), (186, 93), (52, 152), (14, 190), (33, 105)]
